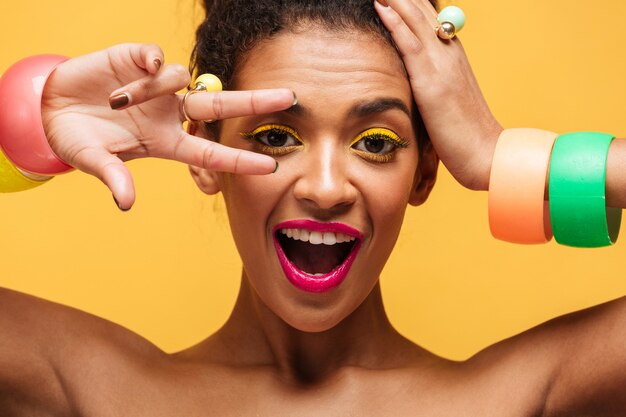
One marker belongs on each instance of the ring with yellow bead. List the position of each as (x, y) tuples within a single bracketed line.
[(205, 83)]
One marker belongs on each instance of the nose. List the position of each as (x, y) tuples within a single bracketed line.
[(325, 182)]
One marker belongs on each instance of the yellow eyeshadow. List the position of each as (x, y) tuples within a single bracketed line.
[(384, 134), (269, 128), (375, 157), (272, 150)]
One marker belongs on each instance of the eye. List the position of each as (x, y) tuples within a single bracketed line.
[(274, 139), (378, 145)]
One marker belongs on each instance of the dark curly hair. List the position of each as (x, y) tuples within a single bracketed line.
[(233, 27)]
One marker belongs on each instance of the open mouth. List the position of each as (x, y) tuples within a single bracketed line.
[(315, 253), (316, 256)]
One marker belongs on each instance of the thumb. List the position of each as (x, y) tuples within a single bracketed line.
[(111, 171)]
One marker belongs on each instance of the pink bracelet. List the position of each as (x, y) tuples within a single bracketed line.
[(22, 137)]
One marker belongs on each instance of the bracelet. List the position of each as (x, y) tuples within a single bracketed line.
[(22, 137), (517, 210), (13, 180), (577, 180)]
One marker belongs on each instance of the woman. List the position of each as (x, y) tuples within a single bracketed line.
[(351, 157)]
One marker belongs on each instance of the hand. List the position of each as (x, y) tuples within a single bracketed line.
[(460, 125), (86, 133)]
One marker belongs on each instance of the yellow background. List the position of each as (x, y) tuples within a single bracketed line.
[(169, 270)]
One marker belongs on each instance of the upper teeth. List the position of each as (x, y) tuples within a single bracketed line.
[(317, 238)]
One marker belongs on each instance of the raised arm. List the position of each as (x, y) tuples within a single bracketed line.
[(465, 132)]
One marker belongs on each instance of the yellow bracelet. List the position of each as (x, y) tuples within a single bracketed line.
[(13, 180)]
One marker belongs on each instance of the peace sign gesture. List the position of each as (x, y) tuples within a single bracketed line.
[(85, 132)]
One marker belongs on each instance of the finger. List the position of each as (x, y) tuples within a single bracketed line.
[(419, 20), (147, 56), (226, 104), (429, 9), (169, 80), (203, 153), (425, 3), (411, 47), (111, 171)]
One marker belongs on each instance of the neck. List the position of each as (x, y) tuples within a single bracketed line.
[(255, 335)]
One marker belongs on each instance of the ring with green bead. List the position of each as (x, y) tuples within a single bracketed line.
[(451, 20)]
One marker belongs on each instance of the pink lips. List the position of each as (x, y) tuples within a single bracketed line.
[(316, 283)]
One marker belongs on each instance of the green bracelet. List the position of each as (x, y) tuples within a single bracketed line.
[(577, 183)]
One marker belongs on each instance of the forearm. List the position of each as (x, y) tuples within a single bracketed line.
[(616, 174)]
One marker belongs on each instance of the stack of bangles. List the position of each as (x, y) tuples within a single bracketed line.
[(572, 165)]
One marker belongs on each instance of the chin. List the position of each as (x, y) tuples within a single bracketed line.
[(314, 322), (316, 313)]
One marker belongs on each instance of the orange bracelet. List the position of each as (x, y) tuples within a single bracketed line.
[(517, 210)]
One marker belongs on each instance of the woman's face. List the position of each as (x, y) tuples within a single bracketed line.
[(315, 236)]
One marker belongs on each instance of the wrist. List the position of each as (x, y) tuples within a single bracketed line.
[(483, 157)]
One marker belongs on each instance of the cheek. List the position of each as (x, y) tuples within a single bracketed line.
[(386, 194), (251, 202), (386, 189), (250, 199)]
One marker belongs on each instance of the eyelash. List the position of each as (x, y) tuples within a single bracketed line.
[(258, 133), (386, 135)]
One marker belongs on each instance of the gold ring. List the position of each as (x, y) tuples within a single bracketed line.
[(184, 110), (451, 20), (446, 31), (204, 83)]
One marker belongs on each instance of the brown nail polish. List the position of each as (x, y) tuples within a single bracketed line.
[(158, 63), (383, 2), (119, 100), (295, 99), (275, 169), (118, 205)]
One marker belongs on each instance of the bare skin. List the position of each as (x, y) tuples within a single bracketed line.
[(284, 351), (97, 368)]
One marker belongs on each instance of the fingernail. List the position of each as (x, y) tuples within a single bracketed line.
[(275, 169), (119, 100), (295, 99), (158, 63), (118, 205), (383, 2)]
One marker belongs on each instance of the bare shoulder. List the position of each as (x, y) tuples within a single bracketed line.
[(514, 376), (559, 366), (48, 351)]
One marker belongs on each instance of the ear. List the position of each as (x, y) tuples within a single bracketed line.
[(425, 176), (206, 180)]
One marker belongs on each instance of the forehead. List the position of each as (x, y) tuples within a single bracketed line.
[(326, 65)]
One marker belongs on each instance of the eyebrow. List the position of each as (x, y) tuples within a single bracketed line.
[(362, 109)]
